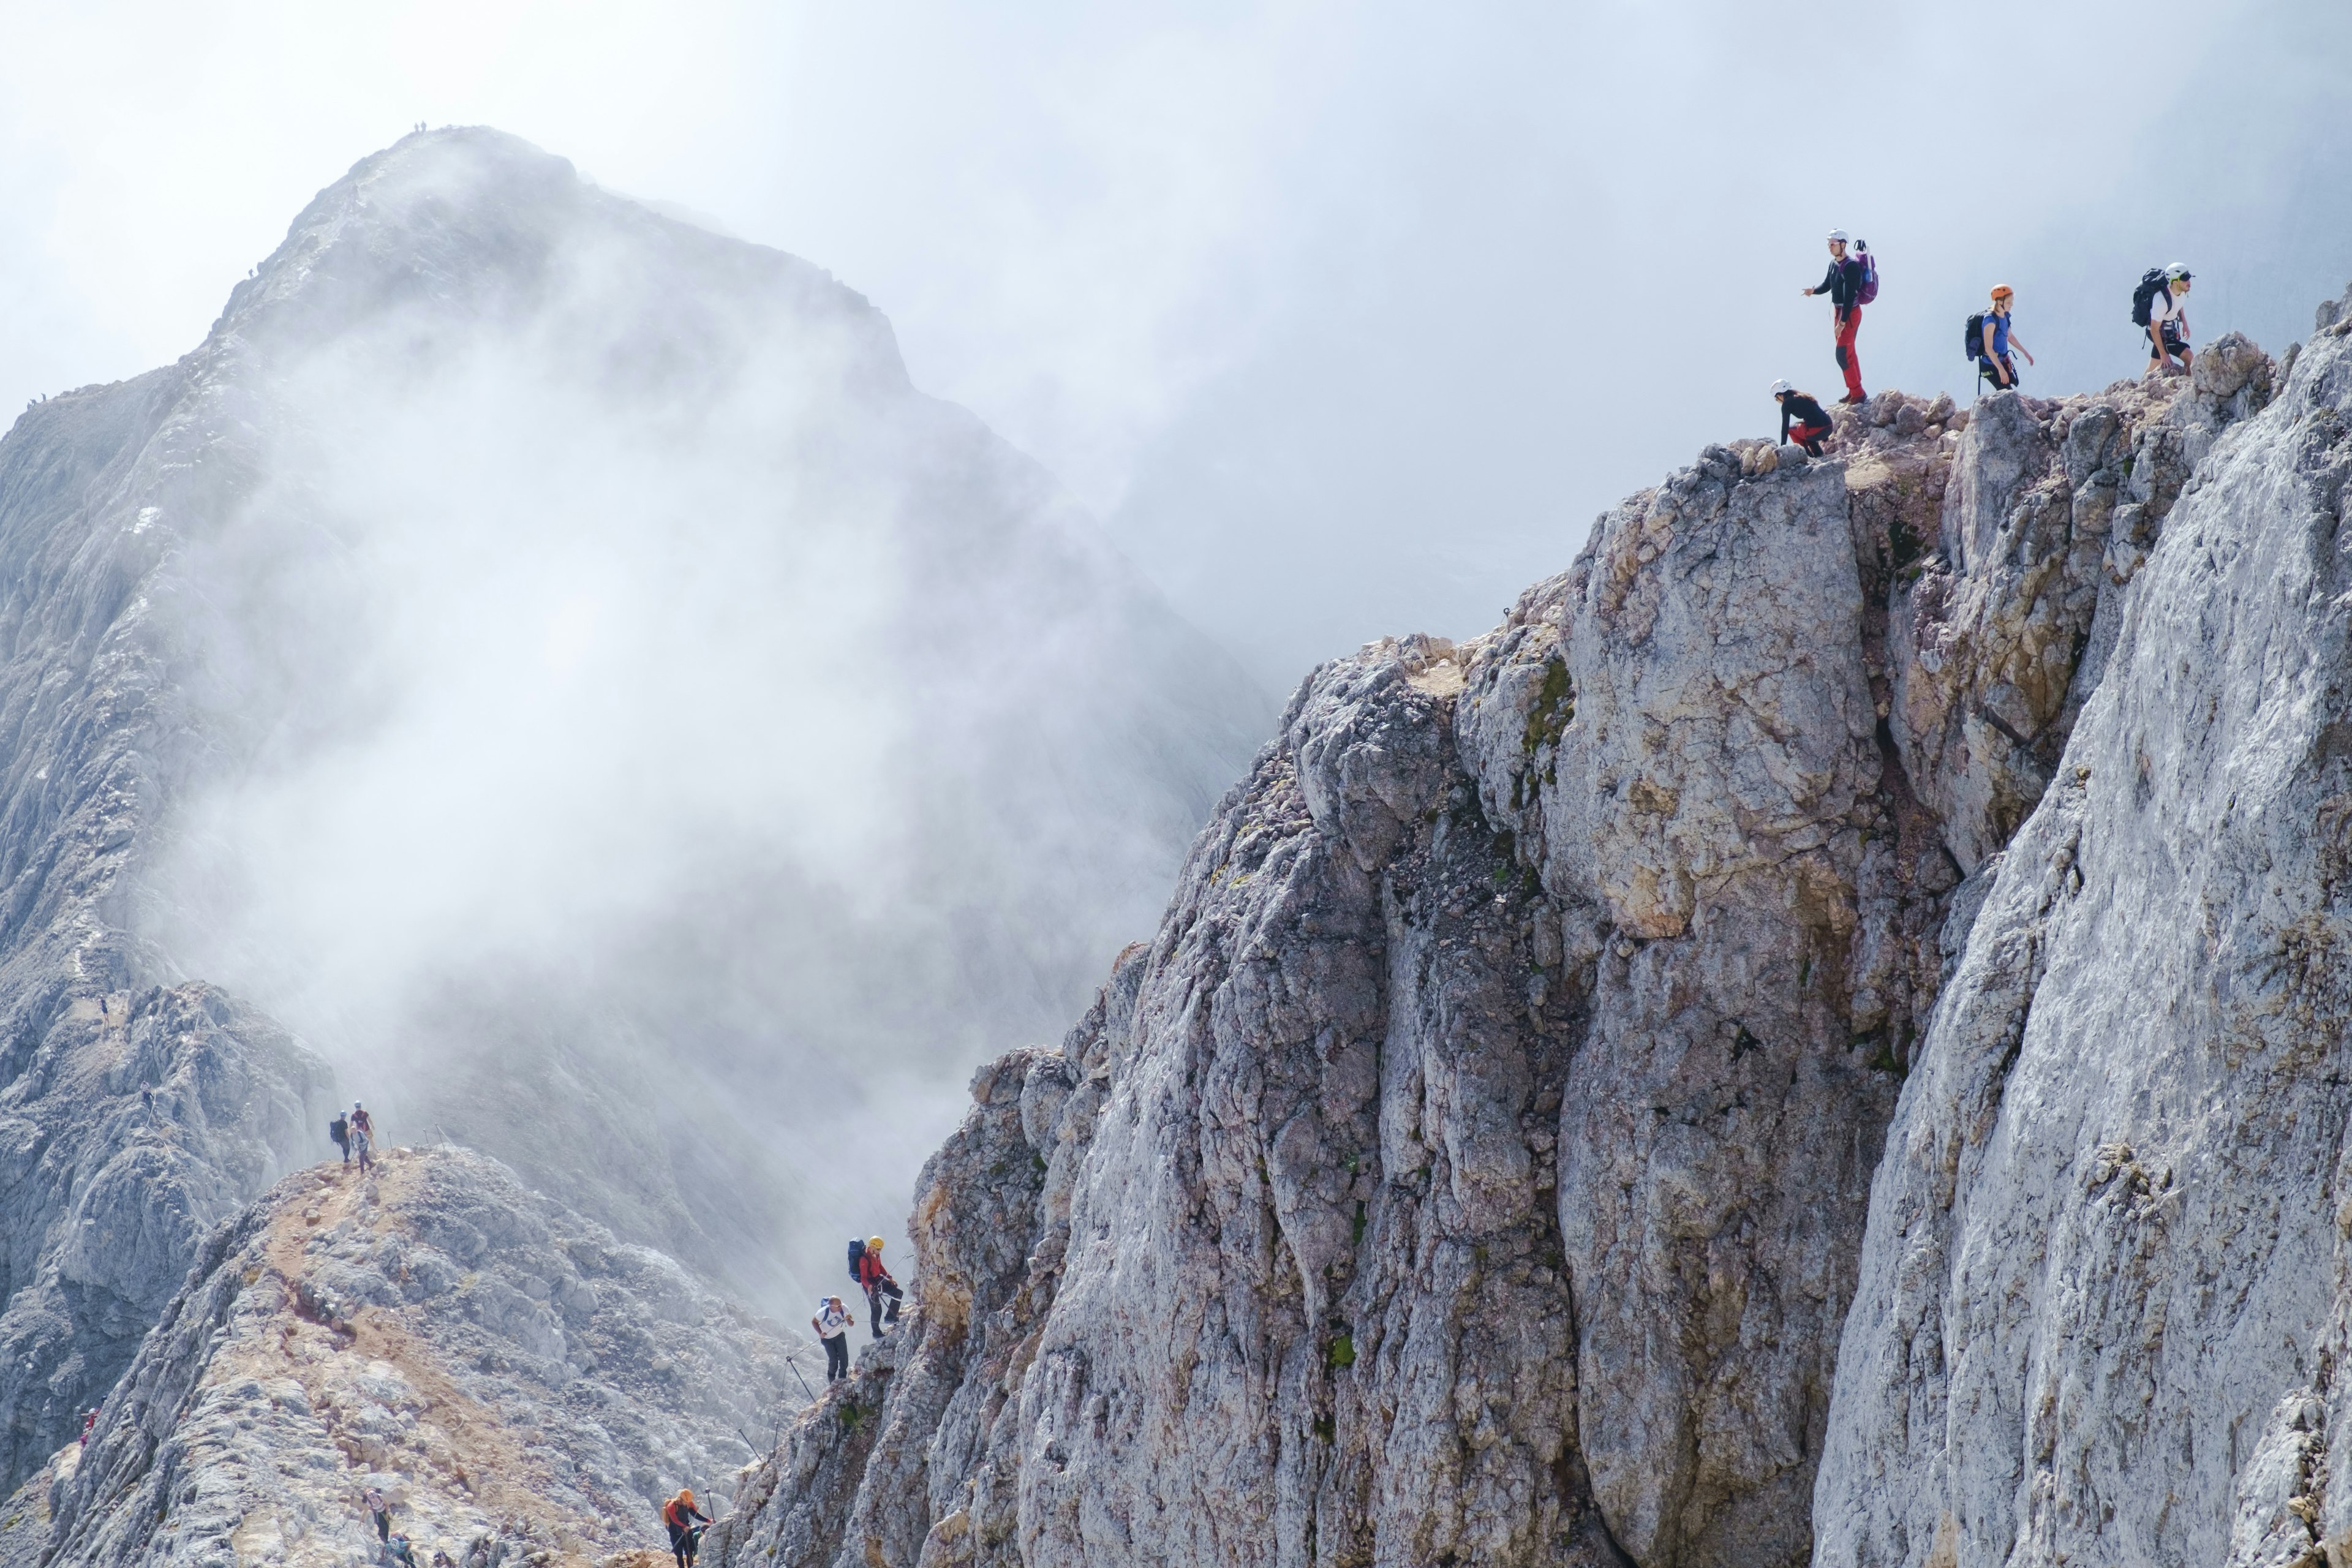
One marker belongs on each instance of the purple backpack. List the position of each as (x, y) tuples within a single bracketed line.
[(1868, 292)]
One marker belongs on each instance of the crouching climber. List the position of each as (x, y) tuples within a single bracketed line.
[(1802, 420), (684, 1535), (2161, 305), (866, 1267), (833, 1324)]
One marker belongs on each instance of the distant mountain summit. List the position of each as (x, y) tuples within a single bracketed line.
[(550, 657)]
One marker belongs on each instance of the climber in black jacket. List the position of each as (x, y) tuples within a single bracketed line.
[(1800, 408)]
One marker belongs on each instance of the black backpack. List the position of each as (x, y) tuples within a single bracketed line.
[(2144, 296), (1972, 337), (856, 1255), (340, 1131)]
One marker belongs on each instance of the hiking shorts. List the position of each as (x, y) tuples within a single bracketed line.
[(2001, 373), (2172, 343)]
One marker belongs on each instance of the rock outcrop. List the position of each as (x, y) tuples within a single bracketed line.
[(1475, 1168), (2104, 1296), (138, 1109), (522, 1385)]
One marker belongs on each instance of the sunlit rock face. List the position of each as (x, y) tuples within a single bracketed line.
[(546, 660), (1477, 1166), (2103, 1302)]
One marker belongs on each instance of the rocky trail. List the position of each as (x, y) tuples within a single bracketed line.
[(523, 1387)]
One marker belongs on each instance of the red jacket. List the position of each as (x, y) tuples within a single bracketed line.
[(869, 1269)]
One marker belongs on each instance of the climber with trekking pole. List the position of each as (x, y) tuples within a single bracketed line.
[(363, 1127), (1811, 421), (684, 1535), (866, 1267), (1851, 283), (833, 1324), (2160, 307), (1989, 336)]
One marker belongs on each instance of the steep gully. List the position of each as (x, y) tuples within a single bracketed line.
[(1477, 1164)]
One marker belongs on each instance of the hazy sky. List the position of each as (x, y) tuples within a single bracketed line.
[(1345, 318)]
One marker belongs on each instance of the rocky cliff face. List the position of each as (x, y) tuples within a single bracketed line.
[(523, 1387), (1477, 1166), (136, 1109), (2104, 1296)]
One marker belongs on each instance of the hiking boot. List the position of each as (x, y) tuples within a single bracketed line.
[(1855, 397)]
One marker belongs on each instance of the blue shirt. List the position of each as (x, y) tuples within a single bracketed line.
[(1999, 322)]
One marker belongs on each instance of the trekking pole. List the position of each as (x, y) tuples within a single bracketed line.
[(805, 1383)]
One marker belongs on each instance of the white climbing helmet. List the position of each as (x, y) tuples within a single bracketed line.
[(1780, 386), (2177, 270), (1838, 235)]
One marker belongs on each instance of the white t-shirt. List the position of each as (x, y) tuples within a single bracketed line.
[(832, 1322), (2165, 308)]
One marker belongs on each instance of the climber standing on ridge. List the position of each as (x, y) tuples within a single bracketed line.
[(1843, 284), (685, 1537), (362, 1134), (1996, 335), (2160, 304), (340, 1131), (1812, 420), (866, 1267), (833, 1324)]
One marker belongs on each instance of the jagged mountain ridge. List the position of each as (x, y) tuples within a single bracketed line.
[(473, 392), (522, 1385), (1478, 1164)]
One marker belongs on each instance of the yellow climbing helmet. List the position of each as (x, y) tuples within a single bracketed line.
[(873, 1244)]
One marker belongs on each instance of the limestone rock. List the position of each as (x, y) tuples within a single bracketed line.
[(2104, 1299), (1473, 1167)]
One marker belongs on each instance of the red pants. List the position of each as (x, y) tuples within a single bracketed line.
[(1806, 435), (1849, 360)]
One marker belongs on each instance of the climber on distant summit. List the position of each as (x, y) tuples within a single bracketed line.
[(1843, 283), (1997, 335), (1812, 420)]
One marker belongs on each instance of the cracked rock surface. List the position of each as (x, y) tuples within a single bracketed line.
[(1474, 1168), (2104, 1294)]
